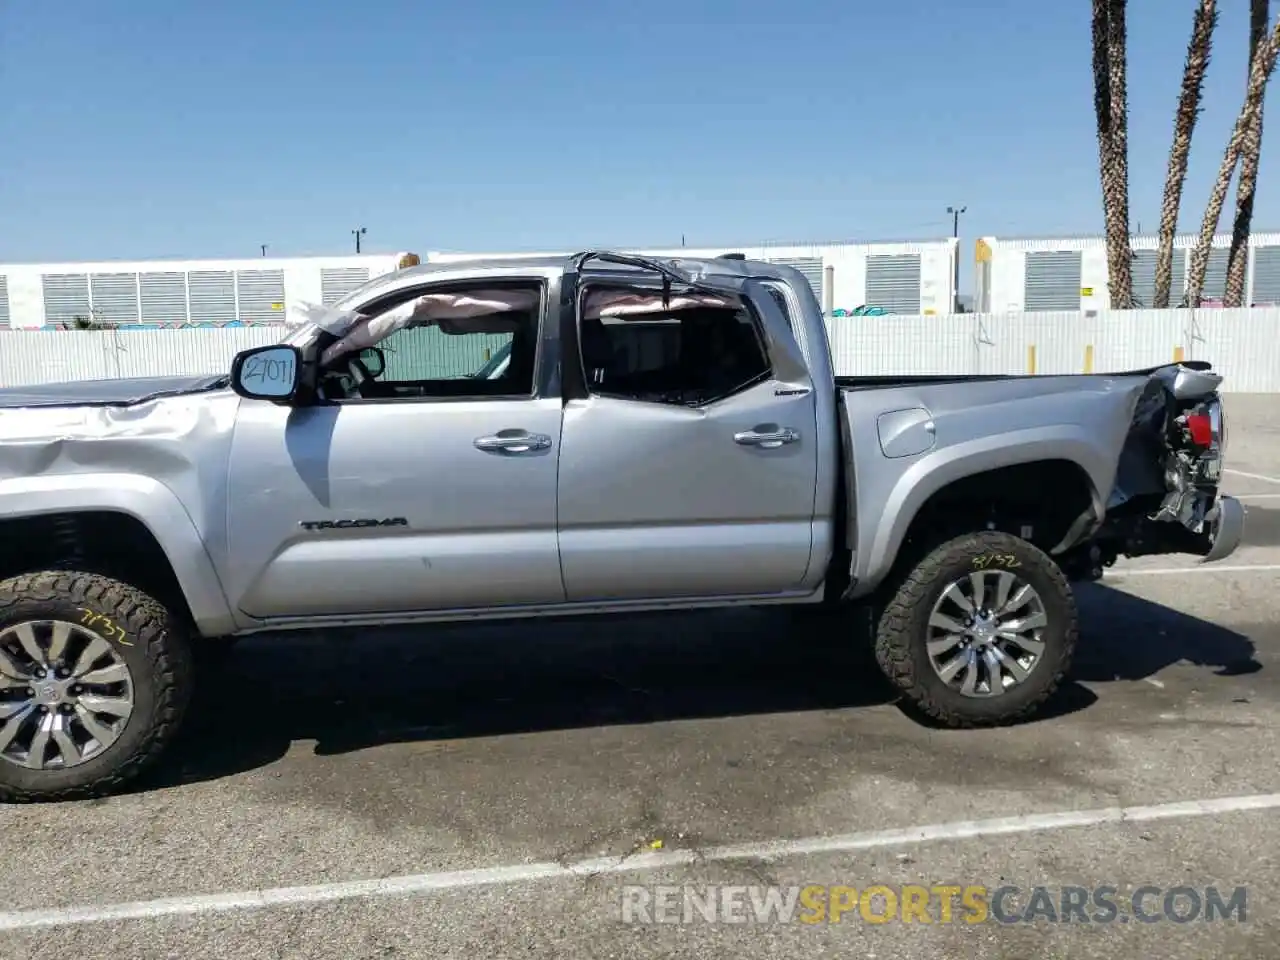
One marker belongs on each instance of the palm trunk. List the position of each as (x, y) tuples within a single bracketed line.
[(1184, 125), (1259, 73), (1247, 188), (1119, 251), (1110, 107), (1102, 94)]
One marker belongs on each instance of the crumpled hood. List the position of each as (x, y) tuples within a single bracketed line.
[(112, 445), (110, 439), (114, 392)]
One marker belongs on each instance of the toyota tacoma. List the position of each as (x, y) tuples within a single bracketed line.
[(599, 433)]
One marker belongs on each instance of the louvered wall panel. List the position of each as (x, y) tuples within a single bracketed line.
[(1266, 276), (893, 282), (114, 297), (163, 296), (4, 303), (260, 294), (1144, 276), (337, 282), (66, 297), (213, 296), (1052, 280), (1215, 275)]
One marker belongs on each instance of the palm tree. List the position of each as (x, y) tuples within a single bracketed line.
[(1247, 187), (1184, 125), (1110, 102), (1244, 134)]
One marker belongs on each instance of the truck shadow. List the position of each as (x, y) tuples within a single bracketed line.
[(1128, 638), (350, 690)]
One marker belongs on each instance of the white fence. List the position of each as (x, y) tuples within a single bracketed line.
[(48, 356), (1242, 344)]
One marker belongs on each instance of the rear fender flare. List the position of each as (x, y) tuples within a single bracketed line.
[(881, 542)]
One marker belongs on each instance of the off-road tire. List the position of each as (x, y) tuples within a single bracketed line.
[(155, 647), (903, 628)]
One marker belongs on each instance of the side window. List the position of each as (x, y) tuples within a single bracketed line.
[(687, 357), (445, 344), (421, 353)]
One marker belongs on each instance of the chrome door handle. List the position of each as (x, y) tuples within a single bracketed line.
[(771, 439), (513, 443)]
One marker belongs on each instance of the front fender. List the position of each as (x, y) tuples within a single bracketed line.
[(151, 503)]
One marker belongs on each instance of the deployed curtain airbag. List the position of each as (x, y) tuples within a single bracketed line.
[(480, 311)]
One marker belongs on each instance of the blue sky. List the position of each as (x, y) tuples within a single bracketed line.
[(144, 129)]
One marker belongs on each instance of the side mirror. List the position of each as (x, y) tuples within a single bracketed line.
[(266, 373), (374, 360)]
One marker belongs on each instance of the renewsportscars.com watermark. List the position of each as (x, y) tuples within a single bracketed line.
[(933, 904)]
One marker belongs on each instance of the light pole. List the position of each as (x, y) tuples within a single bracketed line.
[(955, 233), (358, 233)]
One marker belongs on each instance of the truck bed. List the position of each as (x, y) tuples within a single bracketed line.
[(899, 380)]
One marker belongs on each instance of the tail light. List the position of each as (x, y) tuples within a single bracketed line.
[(1204, 436), (1200, 429)]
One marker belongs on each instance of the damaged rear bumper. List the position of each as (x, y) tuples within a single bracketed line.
[(1225, 523)]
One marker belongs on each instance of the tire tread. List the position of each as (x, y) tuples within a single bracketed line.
[(895, 642), (167, 653)]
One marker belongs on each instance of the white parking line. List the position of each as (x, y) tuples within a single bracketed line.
[(425, 883), (1207, 568), (1251, 476), (1256, 496)]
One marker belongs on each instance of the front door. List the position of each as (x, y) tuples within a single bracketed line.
[(690, 468), (415, 495)]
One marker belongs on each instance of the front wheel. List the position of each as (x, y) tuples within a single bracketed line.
[(980, 632), (95, 676)]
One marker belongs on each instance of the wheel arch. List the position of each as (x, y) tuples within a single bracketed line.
[(1055, 477), (120, 525)]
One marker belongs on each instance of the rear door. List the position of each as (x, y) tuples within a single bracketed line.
[(662, 498)]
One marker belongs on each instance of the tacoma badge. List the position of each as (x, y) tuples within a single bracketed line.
[(347, 524)]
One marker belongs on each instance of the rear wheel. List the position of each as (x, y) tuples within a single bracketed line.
[(95, 676), (980, 632)]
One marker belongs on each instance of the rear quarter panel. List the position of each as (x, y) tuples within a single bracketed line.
[(976, 426)]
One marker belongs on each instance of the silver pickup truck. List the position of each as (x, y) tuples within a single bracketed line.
[(595, 433)]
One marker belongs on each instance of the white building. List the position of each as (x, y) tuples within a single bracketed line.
[(1013, 275), (172, 292), (903, 278)]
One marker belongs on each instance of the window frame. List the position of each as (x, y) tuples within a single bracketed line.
[(401, 295), (778, 291), (743, 304)]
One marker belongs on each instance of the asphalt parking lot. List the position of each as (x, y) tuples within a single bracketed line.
[(708, 749)]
